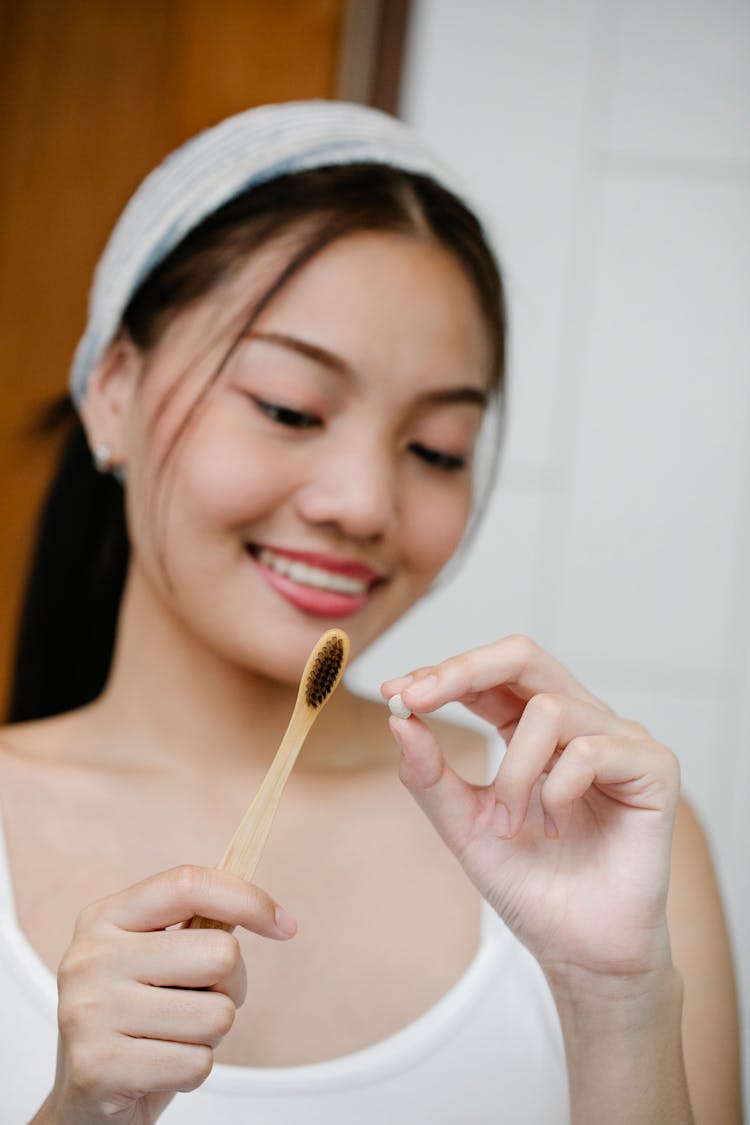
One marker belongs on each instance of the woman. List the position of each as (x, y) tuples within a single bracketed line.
[(295, 337)]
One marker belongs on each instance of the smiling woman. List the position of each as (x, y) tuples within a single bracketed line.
[(296, 333), (293, 412)]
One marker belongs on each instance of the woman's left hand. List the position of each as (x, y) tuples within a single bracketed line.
[(571, 842)]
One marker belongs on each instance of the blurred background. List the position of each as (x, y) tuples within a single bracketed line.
[(607, 145)]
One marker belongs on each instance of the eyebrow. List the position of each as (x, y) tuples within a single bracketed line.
[(304, 347), (465, 393)]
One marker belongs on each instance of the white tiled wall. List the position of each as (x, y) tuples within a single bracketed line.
[(656, 471), (682, 82), (607, 142)]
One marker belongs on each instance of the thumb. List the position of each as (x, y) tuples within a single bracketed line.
[(458, 811)]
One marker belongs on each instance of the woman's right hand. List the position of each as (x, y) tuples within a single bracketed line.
[(142, 1008)]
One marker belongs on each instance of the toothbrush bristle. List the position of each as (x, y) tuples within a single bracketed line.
[(324, 673)]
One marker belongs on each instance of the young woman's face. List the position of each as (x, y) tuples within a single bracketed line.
[(325, 477)]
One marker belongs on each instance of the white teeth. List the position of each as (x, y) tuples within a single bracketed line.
[(312, 575)]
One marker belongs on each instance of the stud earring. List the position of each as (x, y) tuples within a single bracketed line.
[(103, 458)]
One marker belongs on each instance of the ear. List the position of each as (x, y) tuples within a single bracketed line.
[(106, 408)]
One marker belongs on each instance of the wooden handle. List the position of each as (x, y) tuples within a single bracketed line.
[(246, 846), (320, 678)]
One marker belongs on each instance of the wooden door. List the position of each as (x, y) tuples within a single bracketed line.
[(92, 94)]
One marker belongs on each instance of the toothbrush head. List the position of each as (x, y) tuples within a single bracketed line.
[(325, 667)]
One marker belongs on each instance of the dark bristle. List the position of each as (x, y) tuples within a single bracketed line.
[(324, 671)]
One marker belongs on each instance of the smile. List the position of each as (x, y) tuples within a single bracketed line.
[(313, 576)]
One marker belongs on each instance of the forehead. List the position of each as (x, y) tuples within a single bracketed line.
[(395, 306), (384, 298)]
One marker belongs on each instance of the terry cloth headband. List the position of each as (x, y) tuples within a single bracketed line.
[(210, 169)]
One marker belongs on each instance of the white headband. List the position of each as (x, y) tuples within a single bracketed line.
[(216, 165)]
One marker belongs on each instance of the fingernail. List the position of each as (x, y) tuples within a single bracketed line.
[(550, 828), (285, 922), (501, 821), (399, 682), (422, 689)]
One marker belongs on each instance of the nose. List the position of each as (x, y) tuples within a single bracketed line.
[(351, 490)]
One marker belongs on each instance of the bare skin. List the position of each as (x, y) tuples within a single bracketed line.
[(353, 440), (45, 781), (111, 828), (573, 844), (701, 951)]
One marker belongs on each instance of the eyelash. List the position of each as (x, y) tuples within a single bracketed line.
[(286, 416), (447, 462), (299, 420)]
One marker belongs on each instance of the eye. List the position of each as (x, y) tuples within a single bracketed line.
[(286, 416), (450, 462)]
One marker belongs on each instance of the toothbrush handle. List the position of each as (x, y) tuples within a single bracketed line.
[(246, 846)]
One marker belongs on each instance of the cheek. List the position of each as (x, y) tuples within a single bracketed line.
[(435, 529), (223, 486), (222, 475), (211, 483)]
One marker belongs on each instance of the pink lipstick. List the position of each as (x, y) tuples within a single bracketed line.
[(323, 585)]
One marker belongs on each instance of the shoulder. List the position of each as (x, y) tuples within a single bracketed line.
[(696, 915), (32, 749), (701, 951), (694, 885), (689, 834), (35, 739)]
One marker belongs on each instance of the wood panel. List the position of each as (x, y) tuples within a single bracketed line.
[(373, 45), (92, 94), (259, 55)]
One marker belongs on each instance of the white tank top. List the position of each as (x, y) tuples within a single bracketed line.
[(489, 1052)]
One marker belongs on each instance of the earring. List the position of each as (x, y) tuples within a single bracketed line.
[(103, 458)]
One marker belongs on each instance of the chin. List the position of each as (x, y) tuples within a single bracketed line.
[(278, 651), (281, 637)]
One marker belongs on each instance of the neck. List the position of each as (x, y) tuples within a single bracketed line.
[(173, 702)]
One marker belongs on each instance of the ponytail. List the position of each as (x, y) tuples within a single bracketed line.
[(69, 613), (76, 577)]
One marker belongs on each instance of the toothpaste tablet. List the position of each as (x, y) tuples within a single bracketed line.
[(398, 707)]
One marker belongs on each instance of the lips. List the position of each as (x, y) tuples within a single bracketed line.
[(319, 584)]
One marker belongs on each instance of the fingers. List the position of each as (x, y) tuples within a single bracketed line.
[(190, 959), (548, 723), (141, 1007), (564, 747), (637, 773), (100, 1028), (179, 894), (179, 958), (493, 682), (458, 810), (176, 1015), (578, 746), (515, 662), (115, 1074)]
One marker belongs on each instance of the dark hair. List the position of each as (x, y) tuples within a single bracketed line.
[(71, 603)]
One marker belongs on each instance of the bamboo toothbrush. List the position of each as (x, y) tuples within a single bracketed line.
[(323, 671)]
